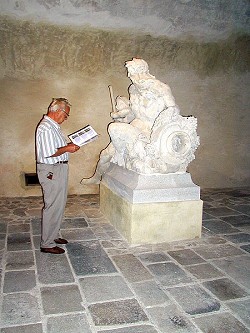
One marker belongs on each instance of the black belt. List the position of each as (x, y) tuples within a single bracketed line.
[(60, 162)]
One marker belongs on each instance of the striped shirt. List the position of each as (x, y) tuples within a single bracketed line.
[(48, 139)]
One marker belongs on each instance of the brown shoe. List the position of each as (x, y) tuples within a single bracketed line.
[(61, 241), (53, 250)]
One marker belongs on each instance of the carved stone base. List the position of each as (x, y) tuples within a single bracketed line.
[(145, 213)]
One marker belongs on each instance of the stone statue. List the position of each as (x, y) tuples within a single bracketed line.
[(148, 134)]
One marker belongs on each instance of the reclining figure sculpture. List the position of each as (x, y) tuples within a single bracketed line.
[(148, 134)]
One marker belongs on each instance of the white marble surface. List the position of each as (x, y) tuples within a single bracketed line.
[(139, 188), (148, 134)]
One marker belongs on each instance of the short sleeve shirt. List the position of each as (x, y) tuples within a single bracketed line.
[(48, 139)]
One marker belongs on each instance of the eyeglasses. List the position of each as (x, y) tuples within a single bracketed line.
[(65, 112)]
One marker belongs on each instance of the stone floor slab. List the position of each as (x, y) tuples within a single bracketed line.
[(19, 308), (218, 251), (222, 211), (20, 211), (169, 319), (149, 293), (2, 244), (3, 228), (104, 288), (208, 238), (225, 289), (16, 228), (2, 236), (19, 260), (118, 312), (221, 322), (204, 271), (237, 221), (73, 323), (245, 209), (61, 299), (74, 223), (15, 281), (237, 268), (53, 268), (78, 234), (132, 268), (132, 329), (186, 257), (148, 258), (245, 229), (194, 300), (37, 242), (116, 252), (238, 238), (36, 210), (242, 309), (36, 226), (89, 258), (246, 248), (34, 328), (169, 274), (93, 213), (206, 216), (18, 241), (219, 227), (108, 244)]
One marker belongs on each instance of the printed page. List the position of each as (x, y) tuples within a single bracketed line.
[(83, 136)]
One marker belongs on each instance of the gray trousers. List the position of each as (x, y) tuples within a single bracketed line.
[(54, 181)]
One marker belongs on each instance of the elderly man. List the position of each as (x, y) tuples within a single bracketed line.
[(52, 154)]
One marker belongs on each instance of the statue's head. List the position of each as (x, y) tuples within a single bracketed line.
[(136, 66)]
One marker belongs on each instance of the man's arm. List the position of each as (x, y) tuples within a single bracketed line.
[(70, 148)]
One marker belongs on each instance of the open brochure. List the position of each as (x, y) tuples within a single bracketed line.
[(83, 136)]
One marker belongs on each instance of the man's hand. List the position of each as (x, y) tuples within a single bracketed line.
[(72, 148)]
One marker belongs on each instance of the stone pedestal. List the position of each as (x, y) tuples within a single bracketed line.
[(151, 208)]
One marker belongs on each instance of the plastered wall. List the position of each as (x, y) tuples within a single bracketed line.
[(40, 60)]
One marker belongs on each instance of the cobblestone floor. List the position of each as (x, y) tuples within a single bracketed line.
[(101, 284)]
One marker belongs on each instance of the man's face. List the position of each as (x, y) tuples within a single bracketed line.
[(62, 114)]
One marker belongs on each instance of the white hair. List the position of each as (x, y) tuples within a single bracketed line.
[(56, 103)]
